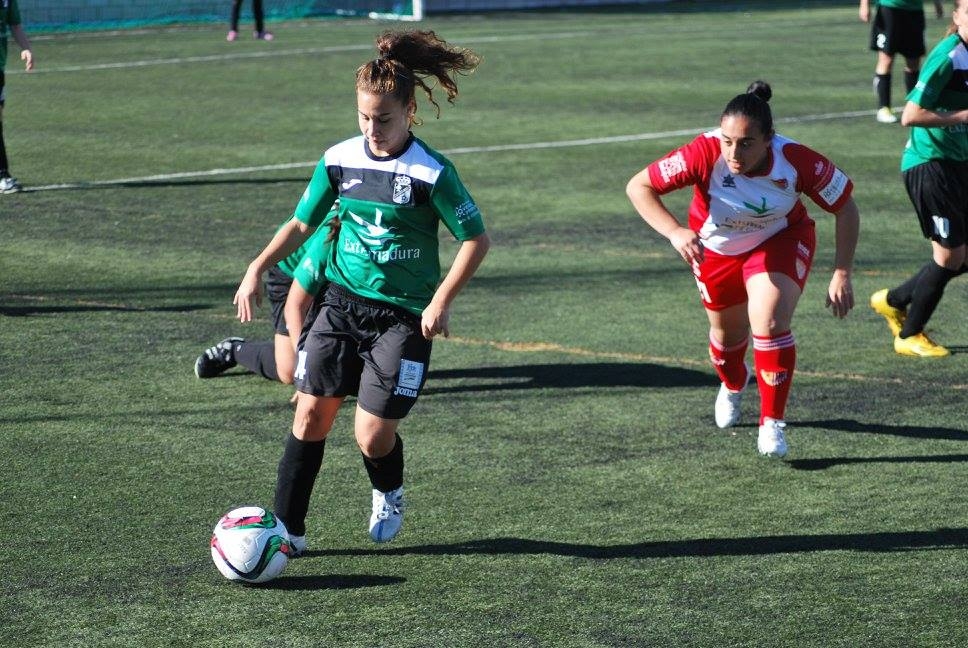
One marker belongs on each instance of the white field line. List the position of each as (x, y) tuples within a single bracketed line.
[(496, 148)]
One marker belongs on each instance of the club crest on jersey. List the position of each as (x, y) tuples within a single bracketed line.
[(773, 378), (402, 191)]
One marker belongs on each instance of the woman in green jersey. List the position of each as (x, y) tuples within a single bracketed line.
[(386, 300), (935, 170)]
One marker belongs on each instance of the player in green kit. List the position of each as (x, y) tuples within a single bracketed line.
[(386, 300), (898, 28), (935, 170), (294, 287), (10, 21)]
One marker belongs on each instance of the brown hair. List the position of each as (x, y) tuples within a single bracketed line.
[(406, 57)]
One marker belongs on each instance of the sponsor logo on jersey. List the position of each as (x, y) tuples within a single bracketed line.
[(672, 166), (349, 184), (834, 189), (371, 233), (402, 192), (773, 378), (781, 183), (466, 211), (762, 210), (729, 182)]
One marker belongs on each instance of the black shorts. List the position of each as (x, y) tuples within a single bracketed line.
[(939, 191), (366, 348), (898, 31), (277, 289)]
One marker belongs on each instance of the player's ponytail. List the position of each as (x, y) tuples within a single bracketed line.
[(406, 57), (754, 105)]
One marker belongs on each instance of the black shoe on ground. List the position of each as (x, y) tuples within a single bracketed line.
[(217, 359)]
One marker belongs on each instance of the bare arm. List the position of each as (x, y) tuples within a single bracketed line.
[(289, 237), (915, 115), (650, 207), (864, 12), (26, 55), (435, 318), (297, 305), (840, 294)]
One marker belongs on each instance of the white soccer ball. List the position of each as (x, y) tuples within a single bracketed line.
[(251, 545)]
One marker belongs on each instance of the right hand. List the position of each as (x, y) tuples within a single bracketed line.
[(688, 245), (247, 293)]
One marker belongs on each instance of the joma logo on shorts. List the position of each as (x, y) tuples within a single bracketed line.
[(403, 391)]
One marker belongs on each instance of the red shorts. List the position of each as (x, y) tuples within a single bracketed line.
[(722, 279)]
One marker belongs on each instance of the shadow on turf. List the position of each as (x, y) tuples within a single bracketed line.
[(563, 376), (26, 311), (332, 581), (706, 547), (912, 431), (823, 464)]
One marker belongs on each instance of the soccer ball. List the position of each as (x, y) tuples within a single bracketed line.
[(251, 545)]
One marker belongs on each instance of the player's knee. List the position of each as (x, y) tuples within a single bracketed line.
[(310, 424)]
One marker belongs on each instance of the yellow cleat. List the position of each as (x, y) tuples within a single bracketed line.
[(919, 345), (895, 316)]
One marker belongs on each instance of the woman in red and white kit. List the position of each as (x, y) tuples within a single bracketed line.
[(751, 243)]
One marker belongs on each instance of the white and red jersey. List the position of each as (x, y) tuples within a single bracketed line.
[(735, 213)]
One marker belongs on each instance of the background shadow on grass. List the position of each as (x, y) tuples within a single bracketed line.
[(913, 431), (25, 311), (563, 376), (823, 464), (331, 581), (706, 547)]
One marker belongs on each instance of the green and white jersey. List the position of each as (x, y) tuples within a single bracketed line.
[(390, 210), (311, 271), (943, 86), (9, 15)]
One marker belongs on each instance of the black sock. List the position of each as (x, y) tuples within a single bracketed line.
[(295, 477), (910, 79), (927, 294), (258, 357), (882, 86), (386, 473), (901, 296), (4, 163)]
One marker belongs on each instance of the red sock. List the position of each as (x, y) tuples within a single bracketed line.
[(775, 358), (729, 364)]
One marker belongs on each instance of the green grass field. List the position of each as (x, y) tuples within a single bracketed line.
[(566, 483)]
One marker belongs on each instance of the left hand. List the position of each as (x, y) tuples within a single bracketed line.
[(840, 294), (434, 320)]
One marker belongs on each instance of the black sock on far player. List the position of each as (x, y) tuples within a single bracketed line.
[(386, 473), (927, 293), (901, 296), (296, 475), (259, 358), (911, 79), (882, 86)]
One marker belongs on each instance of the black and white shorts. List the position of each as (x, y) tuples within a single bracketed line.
[(898, 31), (939, 191), (366, 348)]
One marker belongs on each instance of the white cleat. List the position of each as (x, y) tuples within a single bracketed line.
[(771, 441), (387, 516), (728, 404), (298, 544)]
